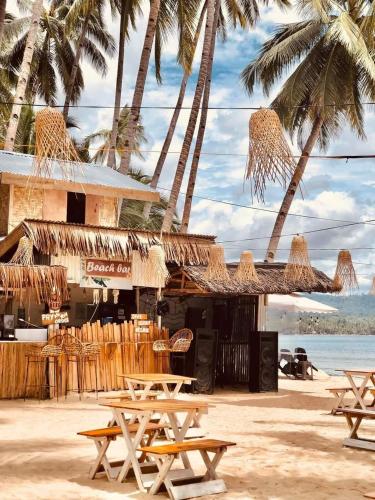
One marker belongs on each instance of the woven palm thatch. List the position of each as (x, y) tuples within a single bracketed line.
[(345, 279), (150, 271), (216, 268), (59, 238), (24, 253), (15, 278), (372, 289), (299, 268), (246, 270), (270, 158), (53, 144)]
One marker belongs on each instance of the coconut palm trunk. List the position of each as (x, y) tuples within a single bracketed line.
[(75, 66), (3, 6), (139, 86), (292, 189), (23, 76), (173, 123), (111, 161), (184, 155), (201, 129)]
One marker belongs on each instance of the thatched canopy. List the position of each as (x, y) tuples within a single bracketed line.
[(190, 280), (42, 280), (53, 238)]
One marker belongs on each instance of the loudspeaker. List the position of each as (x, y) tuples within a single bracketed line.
[(205, 360), (263, 360)]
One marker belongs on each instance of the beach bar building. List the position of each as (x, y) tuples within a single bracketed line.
[(63, 234)]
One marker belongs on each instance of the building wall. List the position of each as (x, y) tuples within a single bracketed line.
[(108, 210), (25, 204), (4, 208), (55, 205)]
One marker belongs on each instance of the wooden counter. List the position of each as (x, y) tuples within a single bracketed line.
[(12, 369)]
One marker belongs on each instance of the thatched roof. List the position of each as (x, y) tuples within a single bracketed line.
[(52, 238), (271, 281)]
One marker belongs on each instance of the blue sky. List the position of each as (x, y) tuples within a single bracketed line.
[(333, 189)]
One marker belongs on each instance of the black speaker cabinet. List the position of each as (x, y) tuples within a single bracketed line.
[(205, 360), (263, 362)]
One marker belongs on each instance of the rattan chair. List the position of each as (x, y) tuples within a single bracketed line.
[(48, 356), (178, 345)]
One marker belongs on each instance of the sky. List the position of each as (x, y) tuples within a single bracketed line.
[(332, 188)]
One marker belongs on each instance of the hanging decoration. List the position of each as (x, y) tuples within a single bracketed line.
[(246, 270), (151, 271), (345, 279), (54, 301), (299, 269), (53, 145), (105, 294), (115, 294), (270, 158), (216, 268), (24, 253), (96, 296), (372, 289)]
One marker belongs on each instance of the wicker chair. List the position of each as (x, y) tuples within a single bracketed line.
[(49, 355), (178, 345)]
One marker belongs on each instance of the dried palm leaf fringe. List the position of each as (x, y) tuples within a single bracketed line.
[(150, 271), (24, 253)]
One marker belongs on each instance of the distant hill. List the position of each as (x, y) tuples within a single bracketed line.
[(353, 305)]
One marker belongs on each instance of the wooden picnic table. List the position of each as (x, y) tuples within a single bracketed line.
[(360, 390), (143, 411), (149, 380)]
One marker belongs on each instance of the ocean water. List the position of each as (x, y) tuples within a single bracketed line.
[(334, 352)]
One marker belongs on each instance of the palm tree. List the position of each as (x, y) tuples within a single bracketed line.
[(128, 12), (334, 51), (83, 20), (3, 8), (24, 75), (163, 14), (104, 137)]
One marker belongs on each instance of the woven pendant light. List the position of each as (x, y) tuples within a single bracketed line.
[(270, 158), (345, 279), (298, 269), (246, 270), (372, 289), (216, 268), (24, 253), (53, 144)]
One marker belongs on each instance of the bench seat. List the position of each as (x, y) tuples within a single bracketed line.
[(116, 430), (184, 446)]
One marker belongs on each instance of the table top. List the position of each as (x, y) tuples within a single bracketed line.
[(157, 377), (158, 405), (358, 372)]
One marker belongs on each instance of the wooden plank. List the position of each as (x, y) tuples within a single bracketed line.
[(362, 444), (195, 490), (159, 405), (192, 445)]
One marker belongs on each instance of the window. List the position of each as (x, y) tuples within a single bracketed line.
[(76, 208)]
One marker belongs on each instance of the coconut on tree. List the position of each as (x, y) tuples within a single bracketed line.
[(331, 57)]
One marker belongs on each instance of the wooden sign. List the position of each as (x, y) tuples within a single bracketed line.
[(142, 329), (107, 268), (144, 322), (55, 318), (139, 316)]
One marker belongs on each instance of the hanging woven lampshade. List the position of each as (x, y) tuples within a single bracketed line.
[(53, 144), (216, 268), (54, 300), (24, 253), (372, 289), (270, 158), (246, 270), (150, 271), (298, 269), (345, 278)]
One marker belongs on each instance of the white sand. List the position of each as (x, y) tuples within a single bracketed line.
[(289, 447)]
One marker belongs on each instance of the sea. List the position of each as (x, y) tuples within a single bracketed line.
[(334, 352)]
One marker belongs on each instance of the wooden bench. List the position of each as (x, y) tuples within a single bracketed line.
[(340, 393), (102, 439), (195, 486), (354, 417)]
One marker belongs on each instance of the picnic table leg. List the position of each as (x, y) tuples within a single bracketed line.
[(132, 445), (179, 434), (164, 466), (353, 428), (358, 393), (211, 464)]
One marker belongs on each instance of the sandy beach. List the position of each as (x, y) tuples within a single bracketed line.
[(289, 447)]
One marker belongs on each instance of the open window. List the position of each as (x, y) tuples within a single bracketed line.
[(76, 208)]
